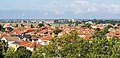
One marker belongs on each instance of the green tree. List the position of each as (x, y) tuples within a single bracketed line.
[(56, 21), (57, 31), (97, 29), (118, 24), (105, 48), (77, 23), (1, 28), (47, 51), (86, 25), (49, 24), (16, 25), (59, 47), (22, 52), (109, 26), (78, 49), (32, 26), (22, 25), (3, 48), (10, 53), (41, 24), (100, 33)]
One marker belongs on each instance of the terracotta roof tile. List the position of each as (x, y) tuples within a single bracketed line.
[(46, 37), (27, 43)]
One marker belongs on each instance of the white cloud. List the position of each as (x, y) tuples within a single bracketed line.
[(59, 12), (46, 13), (78, 7), (82, 7), (114, 8), (86, 6)]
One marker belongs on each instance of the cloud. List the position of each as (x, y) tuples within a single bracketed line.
[(82, 7), (61, 7), (85, 6), (46, 13), (59, 12), (114, 8)]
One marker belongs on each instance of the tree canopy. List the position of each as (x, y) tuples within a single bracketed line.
[(1, 28), (57, 31), (3, 48), (41, 24), (21, 52)]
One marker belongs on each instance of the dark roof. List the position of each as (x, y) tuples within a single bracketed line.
[(28, 36), (16, 42)]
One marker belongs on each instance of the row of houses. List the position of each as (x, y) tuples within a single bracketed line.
[(36, 37)]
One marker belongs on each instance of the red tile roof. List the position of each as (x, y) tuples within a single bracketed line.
[(32, 44), (46, 37), (27, 43)]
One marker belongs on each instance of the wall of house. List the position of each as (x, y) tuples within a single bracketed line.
[(15, 46), (31, 49), (10, 43), (4, 39)]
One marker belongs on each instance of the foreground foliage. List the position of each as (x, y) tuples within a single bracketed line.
[(21, 52), (3, 48)]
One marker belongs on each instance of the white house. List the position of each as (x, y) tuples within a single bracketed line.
[(10, 40)]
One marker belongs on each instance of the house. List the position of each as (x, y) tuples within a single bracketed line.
[(44, 40), (30, 45), (94, 26), (89, 22), (9, 39), (8, 27)]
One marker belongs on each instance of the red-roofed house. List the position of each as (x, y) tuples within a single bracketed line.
[(26, 43)]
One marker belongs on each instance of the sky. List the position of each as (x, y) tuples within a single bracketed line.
[(59, 9)]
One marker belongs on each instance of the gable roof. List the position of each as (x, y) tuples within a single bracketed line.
[(27, 43), (46, 37)]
